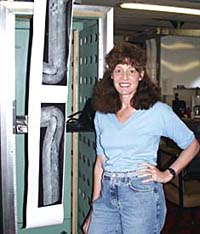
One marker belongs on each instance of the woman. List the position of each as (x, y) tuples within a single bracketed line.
[(128, 194)]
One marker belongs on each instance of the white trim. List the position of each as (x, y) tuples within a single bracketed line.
[(105, 20), (8, 11), (18, 8)]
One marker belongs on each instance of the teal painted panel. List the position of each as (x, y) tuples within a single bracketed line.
[(22, 40), (88, 72), (85, 147)]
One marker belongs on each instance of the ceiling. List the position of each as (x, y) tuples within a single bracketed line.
[(138, 25)]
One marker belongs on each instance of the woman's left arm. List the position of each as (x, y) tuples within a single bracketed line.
[(152, 173), (182, 161)]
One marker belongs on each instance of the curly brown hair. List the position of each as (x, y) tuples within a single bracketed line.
[(105, 97)]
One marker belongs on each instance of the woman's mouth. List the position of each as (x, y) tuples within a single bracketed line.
[(124, 85)]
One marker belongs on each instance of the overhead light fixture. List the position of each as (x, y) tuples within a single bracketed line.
[(161, 8)]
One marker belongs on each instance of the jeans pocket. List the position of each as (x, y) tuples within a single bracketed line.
[(138, 186)]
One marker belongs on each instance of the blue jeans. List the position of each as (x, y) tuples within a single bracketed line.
[(128, 206)]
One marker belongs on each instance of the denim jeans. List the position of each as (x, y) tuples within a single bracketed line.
[(128, 206)]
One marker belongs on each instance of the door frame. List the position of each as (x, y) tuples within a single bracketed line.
[(104, 15), (8, 12)]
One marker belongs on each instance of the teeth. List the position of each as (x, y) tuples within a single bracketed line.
[(124, 85)]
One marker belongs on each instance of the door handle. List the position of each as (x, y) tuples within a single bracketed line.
[(20, 122)]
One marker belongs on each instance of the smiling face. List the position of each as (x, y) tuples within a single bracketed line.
[(126, 79)]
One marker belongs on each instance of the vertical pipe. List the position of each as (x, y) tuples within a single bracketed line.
[(158, 57)]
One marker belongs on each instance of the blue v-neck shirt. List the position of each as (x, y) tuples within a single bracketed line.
[(124, 145)]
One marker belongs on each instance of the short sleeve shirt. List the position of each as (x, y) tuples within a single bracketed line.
[(124, 145)]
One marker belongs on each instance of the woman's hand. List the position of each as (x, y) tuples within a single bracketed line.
[(98, 171), (152, 173), (87, 223)]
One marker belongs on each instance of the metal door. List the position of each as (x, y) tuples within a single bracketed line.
[(14, 65), (94, 33), (22, 44)]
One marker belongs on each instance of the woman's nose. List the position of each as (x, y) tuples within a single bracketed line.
[(125, 75)]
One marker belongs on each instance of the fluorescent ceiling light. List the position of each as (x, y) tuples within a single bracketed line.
[(151, 7)]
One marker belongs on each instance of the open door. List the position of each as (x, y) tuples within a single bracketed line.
[(35, 184)]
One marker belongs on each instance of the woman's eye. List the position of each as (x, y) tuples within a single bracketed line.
[(132, 71), (118, 71)]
